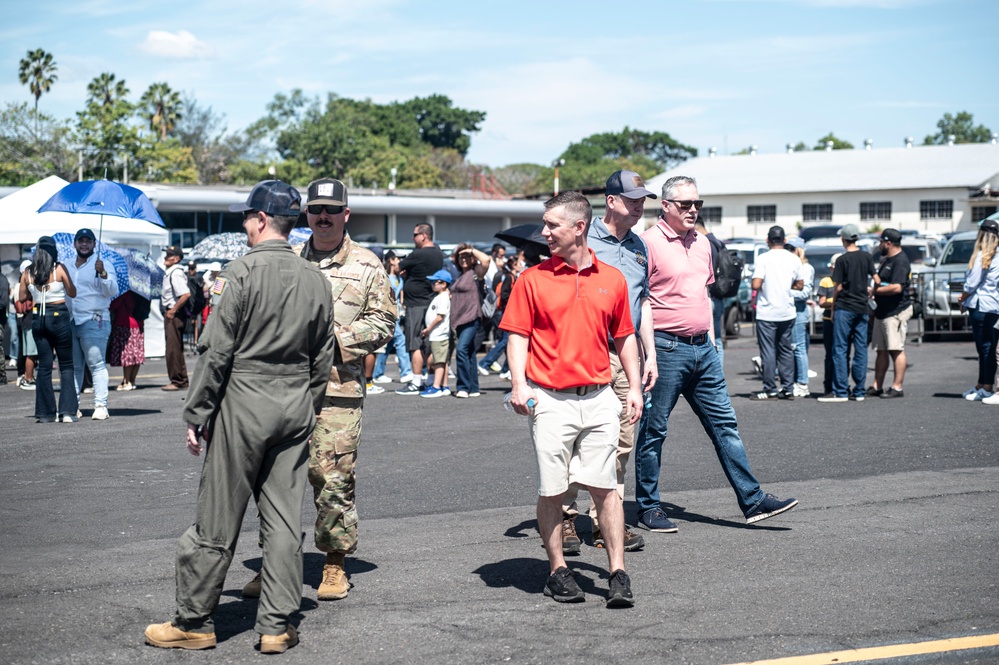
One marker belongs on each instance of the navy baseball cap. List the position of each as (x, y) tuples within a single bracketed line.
[(628, 184), (273, 197), (85, 233)]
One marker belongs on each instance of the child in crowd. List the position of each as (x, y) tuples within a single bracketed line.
[(437, 331)]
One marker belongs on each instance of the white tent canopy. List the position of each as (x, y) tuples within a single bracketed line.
[(22, 224)]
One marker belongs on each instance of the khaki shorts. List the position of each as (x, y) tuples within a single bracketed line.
[(889, 333), (575, 439), (439, 351)]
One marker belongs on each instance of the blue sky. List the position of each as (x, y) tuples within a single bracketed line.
[(723, 73)]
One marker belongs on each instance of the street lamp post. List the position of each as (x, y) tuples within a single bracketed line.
[(557, 163)]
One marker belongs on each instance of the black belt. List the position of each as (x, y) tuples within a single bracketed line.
[(581, 390), (696, 340)]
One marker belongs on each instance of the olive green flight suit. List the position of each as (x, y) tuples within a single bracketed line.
[(266, 355)]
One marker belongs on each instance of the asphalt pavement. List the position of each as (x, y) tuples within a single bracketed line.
[(894, 541)]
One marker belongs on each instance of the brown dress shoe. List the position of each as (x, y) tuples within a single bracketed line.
[(279, 643), (168, 636), (252, 588), (334, 585)]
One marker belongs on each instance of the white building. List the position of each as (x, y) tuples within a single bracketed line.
[(927, 188)]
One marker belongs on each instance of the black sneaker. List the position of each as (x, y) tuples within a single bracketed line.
[(891, 393), (874, 392), (408, 389), (562, 587), (769, 507), (783, 394), (763, 396), (620, 590), (656, 520)]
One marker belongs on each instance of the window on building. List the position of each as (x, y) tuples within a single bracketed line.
[(711, 215), (978, 213), (816, 212), (875, 210), (761, 213), (936, 209)]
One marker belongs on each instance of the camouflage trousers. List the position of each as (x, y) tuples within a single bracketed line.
[(332, 456)]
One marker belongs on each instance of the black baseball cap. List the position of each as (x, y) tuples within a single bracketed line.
[(628, 184), (273, 197), (174, 250), (85, 233), (775, 234), (990, 226), (892, 236), (327, 191)]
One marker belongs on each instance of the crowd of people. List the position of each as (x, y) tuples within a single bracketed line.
[(599, 342)]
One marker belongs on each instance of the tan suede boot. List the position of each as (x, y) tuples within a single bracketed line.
[(335, 585)]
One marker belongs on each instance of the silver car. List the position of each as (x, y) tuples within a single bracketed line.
[(939, 287)]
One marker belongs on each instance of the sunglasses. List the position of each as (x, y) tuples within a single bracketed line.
[(685, 205), (318, 209)]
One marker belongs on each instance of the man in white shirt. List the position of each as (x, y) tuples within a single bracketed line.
[(175, 295), (776, 272), (96, 286)]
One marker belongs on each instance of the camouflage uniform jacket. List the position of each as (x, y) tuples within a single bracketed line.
[(364, 312)]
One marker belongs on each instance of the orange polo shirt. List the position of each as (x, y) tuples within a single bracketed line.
[(566, 315)]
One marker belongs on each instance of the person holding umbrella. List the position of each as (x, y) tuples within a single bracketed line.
[(96, 286), (47, 283)]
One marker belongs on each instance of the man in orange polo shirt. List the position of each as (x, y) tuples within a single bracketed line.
[(559, 316)]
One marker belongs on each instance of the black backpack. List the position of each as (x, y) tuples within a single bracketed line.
[(197, 300), (728, 271)]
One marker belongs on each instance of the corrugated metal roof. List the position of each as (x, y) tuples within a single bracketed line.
[(919, 167)]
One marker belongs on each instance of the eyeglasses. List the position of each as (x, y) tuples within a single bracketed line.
[(416, 235), (685, 205), (318, 209)]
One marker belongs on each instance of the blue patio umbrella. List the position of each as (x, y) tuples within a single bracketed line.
[(145, 277), (103, 197)]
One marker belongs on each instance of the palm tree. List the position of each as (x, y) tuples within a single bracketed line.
[(104, 90), (161, 106), (38, 71)]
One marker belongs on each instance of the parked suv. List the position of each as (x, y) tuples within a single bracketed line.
[(940, 286)]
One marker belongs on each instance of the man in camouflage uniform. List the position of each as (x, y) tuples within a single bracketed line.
[(364, 312), (266, 355)]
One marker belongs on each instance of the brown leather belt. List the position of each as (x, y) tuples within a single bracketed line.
[(581, 390)]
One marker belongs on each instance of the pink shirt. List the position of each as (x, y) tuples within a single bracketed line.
[(679, 273)]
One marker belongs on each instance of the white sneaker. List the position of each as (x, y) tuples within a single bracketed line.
[(800, 390), (406, 378), (991, 400), (372, 389), (979, 395), (757, 364), (100, 413), (482, 370), (382, 379), (969, 393), (79, 414), (12, 364), (812, 374), (505, 375), (832, 399), (461, 394)]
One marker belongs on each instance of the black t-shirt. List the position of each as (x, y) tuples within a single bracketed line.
[(893, 270), (420, 264), (854, 271)]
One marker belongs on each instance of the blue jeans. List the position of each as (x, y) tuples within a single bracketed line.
[(984, 333), (13, 336), (849, 328), (800, 345), (499, 348), (776, 354), (696, 373), (465, 370), (90, 343), (397, 344), (53, 334)]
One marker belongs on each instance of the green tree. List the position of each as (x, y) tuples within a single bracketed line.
[(961, 127), (213, 149), (161, 107), (443, 125), (517, 178), (33, 146), (104, 125), (165, 161), (38, 72), (591, 160), (838, 144)]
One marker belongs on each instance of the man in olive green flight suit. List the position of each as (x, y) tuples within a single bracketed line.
[(364, 312), (266, 355)]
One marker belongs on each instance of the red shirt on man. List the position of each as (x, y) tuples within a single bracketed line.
[(566, 315)]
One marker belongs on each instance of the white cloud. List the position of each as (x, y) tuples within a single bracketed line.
[(181, 45)]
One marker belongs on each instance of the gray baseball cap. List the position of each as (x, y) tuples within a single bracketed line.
[(628, 184), (849, 232)]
